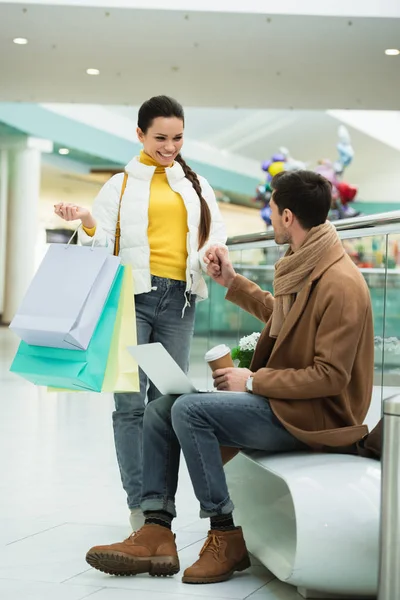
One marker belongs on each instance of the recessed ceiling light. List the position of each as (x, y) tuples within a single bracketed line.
[(20, 41), (92, 71), (63, 151), (392, 52)]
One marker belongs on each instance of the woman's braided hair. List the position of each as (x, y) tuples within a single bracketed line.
[(205, 214), (164, 106)]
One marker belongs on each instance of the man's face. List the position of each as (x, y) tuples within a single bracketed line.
[(282, 234)]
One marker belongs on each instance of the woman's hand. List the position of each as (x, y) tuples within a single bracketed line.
[(71, 212), (219, 267)]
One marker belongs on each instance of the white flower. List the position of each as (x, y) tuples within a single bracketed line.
[(249, 342)]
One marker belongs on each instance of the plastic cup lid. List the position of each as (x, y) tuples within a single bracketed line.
[(217, 352)]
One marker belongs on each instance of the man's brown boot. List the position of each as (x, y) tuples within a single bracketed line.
[(151, 550), (223, 553)]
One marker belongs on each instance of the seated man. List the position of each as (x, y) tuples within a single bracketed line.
[(309, 387)]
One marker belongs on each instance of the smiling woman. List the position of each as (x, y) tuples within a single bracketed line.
[(162, 137), (160, 129), (167, 217)]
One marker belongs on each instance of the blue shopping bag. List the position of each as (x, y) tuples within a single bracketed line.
[(73, 369)]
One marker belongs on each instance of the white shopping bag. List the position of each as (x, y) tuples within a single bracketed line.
[(66, 298)]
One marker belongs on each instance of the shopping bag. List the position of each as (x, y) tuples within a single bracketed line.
[(122, 373), (73, 369), (67, 295)]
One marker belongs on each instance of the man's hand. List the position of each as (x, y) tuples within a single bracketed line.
[(219, 267), (231, 379)]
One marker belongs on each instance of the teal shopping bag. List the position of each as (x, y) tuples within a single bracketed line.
[(73, 369)]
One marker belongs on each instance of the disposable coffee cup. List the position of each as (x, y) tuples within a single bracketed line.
[(219, 357)]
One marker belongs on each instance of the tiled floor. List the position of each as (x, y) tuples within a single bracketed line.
[(60, 494)]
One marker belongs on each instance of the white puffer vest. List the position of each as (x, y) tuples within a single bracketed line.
[(134, 243)]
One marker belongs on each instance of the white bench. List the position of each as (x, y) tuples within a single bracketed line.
[(312, 519)]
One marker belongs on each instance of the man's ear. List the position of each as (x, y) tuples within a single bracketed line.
[(287, 218)]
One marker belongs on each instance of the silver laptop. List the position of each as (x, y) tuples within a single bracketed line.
[(162, 370)]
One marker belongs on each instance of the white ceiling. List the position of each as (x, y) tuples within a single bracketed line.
[(203, 59), (357, 8)]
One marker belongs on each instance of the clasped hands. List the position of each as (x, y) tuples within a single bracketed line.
[(220, 268)]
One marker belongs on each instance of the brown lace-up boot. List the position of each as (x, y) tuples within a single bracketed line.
[(151, 550), (223, 553)]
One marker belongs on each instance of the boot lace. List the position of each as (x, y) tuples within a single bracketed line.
[(133, 535), (213, 545), (136, 534)]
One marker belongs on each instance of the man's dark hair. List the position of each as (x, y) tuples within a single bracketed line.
[(307, 194)]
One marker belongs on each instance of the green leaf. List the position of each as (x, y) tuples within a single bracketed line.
[(235, 353)]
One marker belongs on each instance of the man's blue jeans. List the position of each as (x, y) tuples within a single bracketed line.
[(159, 319), (200, 424)]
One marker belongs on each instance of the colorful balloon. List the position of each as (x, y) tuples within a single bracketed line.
[(347, 192), (276, 167), (266, 165), (342, 192), (279, 157)]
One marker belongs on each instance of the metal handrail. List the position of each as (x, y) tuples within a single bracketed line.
[(368, 221)]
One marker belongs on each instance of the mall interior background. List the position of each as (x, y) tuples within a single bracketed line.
[(253, 78)]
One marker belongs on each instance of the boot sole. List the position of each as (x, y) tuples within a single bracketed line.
[(118, 563), (242, 566)]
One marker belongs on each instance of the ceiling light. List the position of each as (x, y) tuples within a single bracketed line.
[(392, 52), (92, 71), (20, 41), (63, 151)]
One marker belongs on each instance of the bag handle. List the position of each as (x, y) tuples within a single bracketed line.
[(118, 226), (73, 235)]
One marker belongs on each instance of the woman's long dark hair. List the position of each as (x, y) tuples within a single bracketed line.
[(163, 106)]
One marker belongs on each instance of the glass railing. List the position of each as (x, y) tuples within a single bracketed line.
[(373, 243)]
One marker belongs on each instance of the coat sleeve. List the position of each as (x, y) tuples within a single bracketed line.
[(344, 314), (218, 230), (251, 298), (105, 212)]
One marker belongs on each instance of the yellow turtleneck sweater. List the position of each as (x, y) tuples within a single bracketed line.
[(167, 229)]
